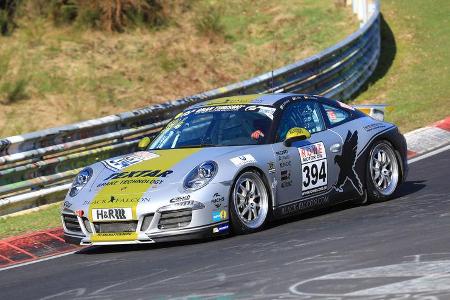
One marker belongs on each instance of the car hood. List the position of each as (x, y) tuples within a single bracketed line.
[(153, 170), (151, 178)]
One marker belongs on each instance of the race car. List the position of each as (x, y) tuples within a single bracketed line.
[(232, 165)]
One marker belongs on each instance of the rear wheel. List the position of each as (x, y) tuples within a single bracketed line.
[(382, 172), (249, 203)]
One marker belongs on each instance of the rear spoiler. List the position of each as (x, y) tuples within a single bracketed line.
[(376, 111)]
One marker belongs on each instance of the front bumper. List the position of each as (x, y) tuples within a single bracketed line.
[(193, 233)]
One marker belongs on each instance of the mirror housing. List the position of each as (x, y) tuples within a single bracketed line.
[(296, 134), (143, 143)]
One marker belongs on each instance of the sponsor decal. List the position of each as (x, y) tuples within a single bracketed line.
[(221, 228), (314, 168), (118, 200), (267, 111), (67, 204), (284, 157), (176, 123), (374, 126), (219, 215), (139, 173), (312, 152), (345, 105), (180, 198), (219, 108), (305, 204), (114, 236), (331, 115), (145, 155), (112, 214), (243, 160), (281, 152), (217, 200), (152, 182), (241, 99), (126, 161), (285, 164), (346, 162), (271, 166), (286, 179)]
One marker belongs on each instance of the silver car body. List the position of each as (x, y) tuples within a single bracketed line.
[(140, 197)]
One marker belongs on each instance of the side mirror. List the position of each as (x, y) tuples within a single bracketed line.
[(296, 134), (143, 143)]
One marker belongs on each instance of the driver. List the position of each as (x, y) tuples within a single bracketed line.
[(260, 126)]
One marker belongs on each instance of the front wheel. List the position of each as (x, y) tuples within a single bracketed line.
[(249, 203), (382, 172)]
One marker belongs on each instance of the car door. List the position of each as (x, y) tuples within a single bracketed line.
[(306, 168)]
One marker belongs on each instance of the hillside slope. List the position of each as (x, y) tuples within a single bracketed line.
[(57, 75), (414, 70)]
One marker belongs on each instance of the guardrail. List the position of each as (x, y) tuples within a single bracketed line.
[(37, 167)]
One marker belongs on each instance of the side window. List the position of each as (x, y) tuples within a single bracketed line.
[(305, 114), (335, 115)]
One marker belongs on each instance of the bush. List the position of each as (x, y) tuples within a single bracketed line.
[(7, 12), (14, 91), (210, 22), (113, 15)]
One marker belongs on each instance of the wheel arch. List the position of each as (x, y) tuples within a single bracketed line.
[(264, 178)]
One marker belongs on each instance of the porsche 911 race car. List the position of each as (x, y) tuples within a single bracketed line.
[(232, 165)]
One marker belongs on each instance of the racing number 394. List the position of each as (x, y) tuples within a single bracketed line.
[(313, 173)]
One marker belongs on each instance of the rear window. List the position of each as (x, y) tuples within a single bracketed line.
[(335, 115)]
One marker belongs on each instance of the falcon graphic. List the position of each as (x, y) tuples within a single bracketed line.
[(346, 163)]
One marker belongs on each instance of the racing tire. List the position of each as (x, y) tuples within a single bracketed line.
[(382, 172), (249, 203)]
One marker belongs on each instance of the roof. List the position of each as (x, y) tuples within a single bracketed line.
[(260, 99)]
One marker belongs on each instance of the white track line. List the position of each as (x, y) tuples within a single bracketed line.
[(413, 160), (434, 152), (36, 261)]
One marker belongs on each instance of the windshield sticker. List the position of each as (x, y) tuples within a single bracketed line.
[(345, 105), (268, 111), (243, 160), (219, 108), (176, 124)]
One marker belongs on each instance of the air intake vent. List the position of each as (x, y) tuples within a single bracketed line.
[(175, 219), (87, 225), (71, 223), (146, 222), (109, 227)]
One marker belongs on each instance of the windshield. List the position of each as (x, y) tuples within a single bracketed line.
[(232, 125)]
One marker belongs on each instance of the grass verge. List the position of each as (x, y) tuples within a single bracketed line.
[(414, 69), (43, 218)]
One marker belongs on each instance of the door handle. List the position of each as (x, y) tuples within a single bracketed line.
[(335, 148)]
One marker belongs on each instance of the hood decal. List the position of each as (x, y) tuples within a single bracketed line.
[(139, 178)]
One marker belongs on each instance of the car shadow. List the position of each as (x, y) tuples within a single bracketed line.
[(409, 187)]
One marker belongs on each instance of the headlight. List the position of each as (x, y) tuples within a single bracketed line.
[(80, 181), (200, 175)]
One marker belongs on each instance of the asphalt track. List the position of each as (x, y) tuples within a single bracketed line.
[(399, 249)]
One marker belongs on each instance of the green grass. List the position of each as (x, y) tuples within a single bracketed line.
[(72, 73), (414, 70), (47, 217)]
